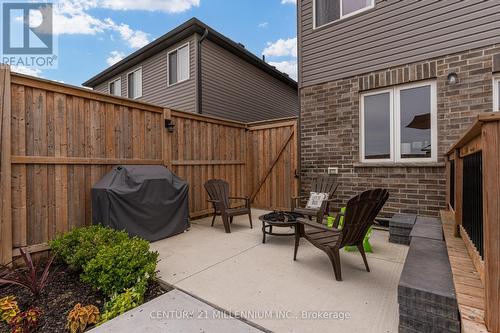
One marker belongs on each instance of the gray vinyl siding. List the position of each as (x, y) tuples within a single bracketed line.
[(181, 96), (232, 88), (104, 87), (392, 34)]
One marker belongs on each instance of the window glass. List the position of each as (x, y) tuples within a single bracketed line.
[(172, 67), (498, 96), (351, 6), (115, 88), (415, 115), (131, 85), (183, 63), (377, 121), (138, 83), (135, 84), (327, 11)]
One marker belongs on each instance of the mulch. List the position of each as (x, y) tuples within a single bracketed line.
[(60, 295)]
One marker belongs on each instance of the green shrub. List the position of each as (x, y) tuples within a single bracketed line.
[(121, 303), (77, 247), (118, 267)]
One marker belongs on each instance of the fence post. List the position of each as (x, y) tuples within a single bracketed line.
[(5, 167), (491, 218), (166, 142)]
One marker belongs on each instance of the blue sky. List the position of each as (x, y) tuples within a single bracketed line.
[(92, 34)]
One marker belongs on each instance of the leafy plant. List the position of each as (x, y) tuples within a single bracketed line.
[(77, 247), (27, 276), (121, 303), (124, 265), (8, 308), (82, 316), (27, 321)]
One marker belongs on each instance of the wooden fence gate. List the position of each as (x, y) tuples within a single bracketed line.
[(57, 141), (272, 164)]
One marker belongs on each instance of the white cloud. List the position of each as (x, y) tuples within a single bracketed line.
[(281, 48), (263, 25), (114, 57), (135, 38), (72, 17), (169, 6), (26, 70), (289, 67), (285, 2), (78, 23)]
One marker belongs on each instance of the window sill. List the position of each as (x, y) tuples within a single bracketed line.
[(400, 165), (177, 83)]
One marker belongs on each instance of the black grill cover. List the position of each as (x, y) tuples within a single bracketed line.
[(148, 201)]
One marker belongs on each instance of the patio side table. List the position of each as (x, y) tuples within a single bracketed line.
[(280, 220)]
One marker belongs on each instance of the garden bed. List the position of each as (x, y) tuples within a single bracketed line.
[(98, 273), (60, 296)]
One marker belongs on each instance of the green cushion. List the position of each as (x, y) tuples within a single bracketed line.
[(366, 241)]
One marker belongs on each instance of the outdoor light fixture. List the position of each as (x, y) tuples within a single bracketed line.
[(169, 125), (452, 78)]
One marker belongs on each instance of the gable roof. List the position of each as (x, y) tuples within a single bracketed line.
[(178, 34)]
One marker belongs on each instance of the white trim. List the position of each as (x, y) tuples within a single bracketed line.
[(495, 82), (119, 79), (362, 126), (139, 95), (395, 111), (168, 64), (341, 17)]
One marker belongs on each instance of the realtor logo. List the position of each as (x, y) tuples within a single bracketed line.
[(27, 36)]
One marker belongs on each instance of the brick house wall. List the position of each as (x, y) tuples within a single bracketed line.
[(330, 129)]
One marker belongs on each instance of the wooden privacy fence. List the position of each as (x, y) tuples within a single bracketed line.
[(204, 148), (473, 194), (58, 140)]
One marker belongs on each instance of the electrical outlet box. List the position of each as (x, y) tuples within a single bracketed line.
[(333, 171)]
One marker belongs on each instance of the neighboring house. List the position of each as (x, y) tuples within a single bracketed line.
[(386, 87), (196, 69)]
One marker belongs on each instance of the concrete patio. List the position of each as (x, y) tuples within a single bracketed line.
[(260, 282)]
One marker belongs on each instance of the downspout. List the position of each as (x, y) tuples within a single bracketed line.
[(198, 76)]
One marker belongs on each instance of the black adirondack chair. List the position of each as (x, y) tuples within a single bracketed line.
[(322, 184), (218, 191), (360, 213)]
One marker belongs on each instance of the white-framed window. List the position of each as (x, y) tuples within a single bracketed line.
[(329, 11), (178, 65), (399, 124), (134, 83), (496, 93), (115, 87)]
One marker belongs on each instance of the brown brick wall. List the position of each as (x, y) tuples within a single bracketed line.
[(330, 129)]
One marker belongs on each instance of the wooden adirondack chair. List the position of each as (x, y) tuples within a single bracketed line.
[(360, 213), (322, 184), (218, 191)]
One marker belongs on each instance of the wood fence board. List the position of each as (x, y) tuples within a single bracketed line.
[(18, 146), (5, 166)]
